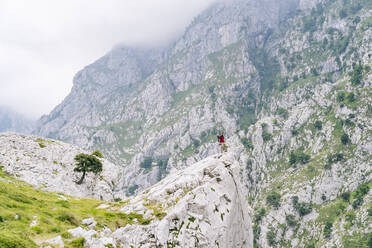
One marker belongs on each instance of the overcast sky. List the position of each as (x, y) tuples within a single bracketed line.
[(43, 43)]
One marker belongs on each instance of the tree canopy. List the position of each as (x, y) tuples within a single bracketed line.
[(87, 163)]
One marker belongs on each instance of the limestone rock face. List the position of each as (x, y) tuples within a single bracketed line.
[(49, 165), (204, 206), (200, 206)]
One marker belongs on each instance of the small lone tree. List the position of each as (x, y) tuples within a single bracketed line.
[(87, 163)]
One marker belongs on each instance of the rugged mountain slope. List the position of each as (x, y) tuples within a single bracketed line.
[(131, 115), (201, 206), (290, 84), (13, 122), (49, 165)]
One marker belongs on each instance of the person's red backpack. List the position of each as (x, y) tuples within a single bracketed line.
[(221, 139)]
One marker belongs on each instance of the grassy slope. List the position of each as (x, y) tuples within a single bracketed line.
[(20, 204)]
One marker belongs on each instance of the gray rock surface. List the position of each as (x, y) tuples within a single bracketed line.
[(200, 206), (49, 165)]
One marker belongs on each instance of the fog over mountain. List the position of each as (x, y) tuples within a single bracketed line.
[(14, 122), (44, 43)]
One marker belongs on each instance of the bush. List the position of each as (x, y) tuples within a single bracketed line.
[(349, 123), (328, 166), (345, 196), (359, 194), (357, 75), (345, 139), (273, 199), (298, 157), (259, 215), (350, 216), (358, 201), (266, 136), (97, 153), (270, 236), (362, 190), (294, 132), (303, 158), (328, 229), (318, 125), (291, 220), (302, 208), (341, 96), (351, 97), (333, 158), (247, 143), (292, 158), (147, 163)]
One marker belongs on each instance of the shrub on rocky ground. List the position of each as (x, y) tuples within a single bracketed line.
[(273, 199)]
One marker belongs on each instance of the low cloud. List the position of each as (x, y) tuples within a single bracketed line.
[(44, 43)]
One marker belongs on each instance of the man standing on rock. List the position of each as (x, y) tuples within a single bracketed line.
[(221, 141)]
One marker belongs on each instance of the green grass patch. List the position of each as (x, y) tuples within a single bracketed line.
[(20, 204)]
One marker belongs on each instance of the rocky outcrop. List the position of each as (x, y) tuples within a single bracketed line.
[(200, 206), (49, 165)]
